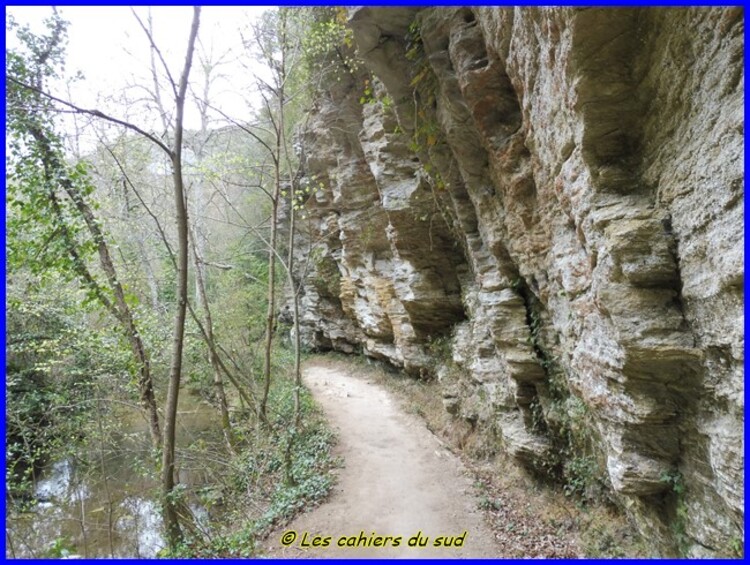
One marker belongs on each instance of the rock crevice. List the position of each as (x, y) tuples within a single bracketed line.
[(543, 209)]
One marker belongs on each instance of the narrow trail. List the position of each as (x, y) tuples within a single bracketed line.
[(397, 480)]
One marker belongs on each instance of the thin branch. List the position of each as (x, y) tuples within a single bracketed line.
[(245, 129), (221, 266), (95, 113), (162, 234), (155, 49)]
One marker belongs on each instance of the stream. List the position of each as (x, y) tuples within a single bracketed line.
[(110, 508)]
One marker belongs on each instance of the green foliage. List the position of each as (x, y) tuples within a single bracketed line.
[(579, 472), (328, 45), (57, 350), (440, 184), (679, 526), (258, 470), (308, 185), (41, 226), (241, 299), (677, 507), (736, 547), (54, 358), (311, 482), (47, 232), (63, 352), (235, 544), (561, 416), (368, 96), (440, 348), (373, 95), (565, 419), (414, 46), (60, 548), (487, 503), (427, 132), (674, 479)]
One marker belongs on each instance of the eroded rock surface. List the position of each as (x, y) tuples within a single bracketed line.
[(543, 208)]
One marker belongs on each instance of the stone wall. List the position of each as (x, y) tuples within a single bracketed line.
[(553, 197)]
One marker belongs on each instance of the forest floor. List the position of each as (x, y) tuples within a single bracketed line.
[(400, 479)]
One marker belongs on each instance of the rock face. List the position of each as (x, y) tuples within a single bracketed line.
[(543, 209)]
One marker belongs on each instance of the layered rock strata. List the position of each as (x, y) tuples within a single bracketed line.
[(554, 198)]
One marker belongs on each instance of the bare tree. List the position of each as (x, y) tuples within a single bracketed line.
[(209, 65), (279, 45), (171, 518)]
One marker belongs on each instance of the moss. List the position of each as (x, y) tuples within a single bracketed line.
[(327, 278)]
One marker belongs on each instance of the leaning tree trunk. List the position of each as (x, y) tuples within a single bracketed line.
[(213, 355), (120, 310)]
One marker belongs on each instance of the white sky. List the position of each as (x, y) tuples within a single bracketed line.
[(109, 47)]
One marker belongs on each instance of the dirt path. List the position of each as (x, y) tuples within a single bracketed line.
[(397, 480)]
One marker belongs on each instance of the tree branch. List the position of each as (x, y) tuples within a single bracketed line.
[(155, 48), (143, 203), (95, 113), (245, 129)]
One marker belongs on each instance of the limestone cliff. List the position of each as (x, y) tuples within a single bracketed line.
[(543, 208)]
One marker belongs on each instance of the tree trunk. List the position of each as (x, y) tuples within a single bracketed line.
[(297, 418), (279, 126), (120, 308), (171, 518), (212, 353), (292, 227), (295, 325), (271, 286)]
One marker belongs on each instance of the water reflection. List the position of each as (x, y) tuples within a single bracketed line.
[(59, 484), (110, 508), (144, 525)]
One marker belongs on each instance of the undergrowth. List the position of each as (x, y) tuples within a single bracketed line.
[(258, 493)]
